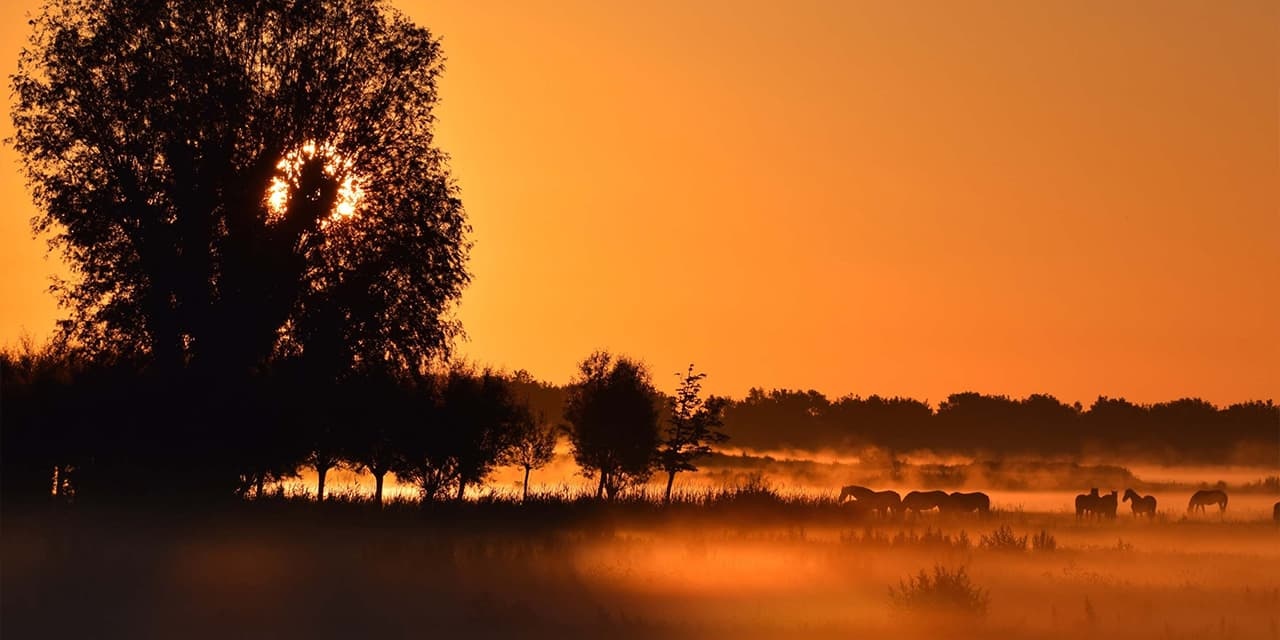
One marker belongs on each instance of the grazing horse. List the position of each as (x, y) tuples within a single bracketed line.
[(1086, 503), (967, 502), (1207, 496), (1275, 513), (1142, 505), (882, 502), (918, 501)]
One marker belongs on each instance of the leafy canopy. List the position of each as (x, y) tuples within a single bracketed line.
[(233, 180)]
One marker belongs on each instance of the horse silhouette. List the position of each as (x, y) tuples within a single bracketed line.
[(918, 501), (882, 502), (1096, 506), (1205, 497), (1086, 503), (1141, 505), (1275, 512), (1107, 505), (959, 502)]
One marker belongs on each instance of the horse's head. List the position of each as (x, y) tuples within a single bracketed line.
[(1130, 494)]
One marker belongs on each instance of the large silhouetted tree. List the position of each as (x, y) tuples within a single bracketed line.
[(612, 410), (693, 425), (233, 179)]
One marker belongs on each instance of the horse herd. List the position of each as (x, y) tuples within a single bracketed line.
[(1088, 505), (1104, 506), (885, 503)]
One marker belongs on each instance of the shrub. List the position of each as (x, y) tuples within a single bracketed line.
[(946, 591), (1044, 541), (751, 489), (1003, 539)]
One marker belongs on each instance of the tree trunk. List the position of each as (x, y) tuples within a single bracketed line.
[(377, 486), (261, 481), (462, 487), (321, 470), (525, 497), (600, 487), (671, 479)]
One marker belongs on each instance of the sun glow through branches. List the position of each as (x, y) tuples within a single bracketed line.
[(286, 184)]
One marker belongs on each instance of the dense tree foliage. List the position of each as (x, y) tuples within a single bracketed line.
[(230, 181), (461, 424), (254, 213), (612, 411)]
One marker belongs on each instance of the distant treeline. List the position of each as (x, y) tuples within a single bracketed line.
[(1185, 431), (1189, 430), (1008, 474)]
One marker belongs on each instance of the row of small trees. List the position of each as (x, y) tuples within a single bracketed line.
[(110, 429), (614, 422)]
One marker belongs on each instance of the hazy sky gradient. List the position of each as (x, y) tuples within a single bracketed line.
[(913, 198)]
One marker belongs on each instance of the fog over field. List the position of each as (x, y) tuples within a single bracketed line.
[(748, 572), (1017, 484)]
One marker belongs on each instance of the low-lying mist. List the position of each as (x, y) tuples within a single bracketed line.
[(300, 569), (1032, 484)]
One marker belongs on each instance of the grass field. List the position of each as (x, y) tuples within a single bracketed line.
[(742, 563)]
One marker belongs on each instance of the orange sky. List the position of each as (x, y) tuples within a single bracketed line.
[(913, 198)]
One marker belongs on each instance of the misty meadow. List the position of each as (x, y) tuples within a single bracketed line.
[(418, 318)]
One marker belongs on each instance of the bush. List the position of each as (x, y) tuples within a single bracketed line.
[(1044, 541), (751, 489), (946, 591), (1003, 539)]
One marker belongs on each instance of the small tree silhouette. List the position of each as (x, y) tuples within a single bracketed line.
[(481, 417), (323, 457), (534, 447), (377, 407), (693, 426), (613, 421), (314, 404), (463, 426)]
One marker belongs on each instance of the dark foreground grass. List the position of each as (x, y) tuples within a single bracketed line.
[(735, 563)]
